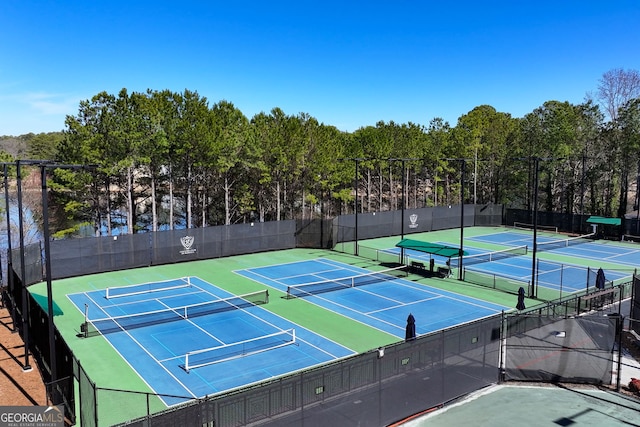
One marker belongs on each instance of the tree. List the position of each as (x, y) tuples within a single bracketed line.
[(88, 140), (193, 134), (629, 131), (617, 87), (233, 155), (484, 135), (152, 147), (44, 146)]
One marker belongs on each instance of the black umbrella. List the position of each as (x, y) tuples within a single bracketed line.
[(520, 305), (410, 332), (600, 279)]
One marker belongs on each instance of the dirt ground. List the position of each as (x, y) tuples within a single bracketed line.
[(17, 386), (632, 345)]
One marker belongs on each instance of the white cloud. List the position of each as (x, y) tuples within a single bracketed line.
[(36, 112), (51, 103)]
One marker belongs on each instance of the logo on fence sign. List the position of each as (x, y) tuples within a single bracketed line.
[(31, 416), (414, 221), (187, 242)]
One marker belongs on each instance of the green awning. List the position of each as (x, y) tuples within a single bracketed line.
[(430, 248), (604, 221)]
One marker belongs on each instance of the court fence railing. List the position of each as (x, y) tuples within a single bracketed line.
[(378, 387), (398, 381), (305, 396)]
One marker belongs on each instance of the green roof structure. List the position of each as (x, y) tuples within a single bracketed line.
[(603, 220), (431, 248)]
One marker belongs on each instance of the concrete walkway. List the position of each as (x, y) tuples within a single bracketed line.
[(528, 405), (517, 405)]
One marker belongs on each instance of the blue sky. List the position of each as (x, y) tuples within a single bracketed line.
[(346, 63)]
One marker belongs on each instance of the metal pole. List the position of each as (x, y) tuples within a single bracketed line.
[(461, 251), (9, 254), (355, 249), (47, 259), (638, 201), (403, 203), (23, 272), (535, 228), (584, 167)]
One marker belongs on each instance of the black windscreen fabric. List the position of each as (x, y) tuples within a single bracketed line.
[(76, 257), (574, 350), (33, 271), (635, 305), (375, 388)]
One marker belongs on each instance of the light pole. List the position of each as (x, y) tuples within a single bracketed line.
[(47, 259), (463, 164), (404, 200), (356, 160), (461, 250), (23, 273), (10, 282), (536, 161)]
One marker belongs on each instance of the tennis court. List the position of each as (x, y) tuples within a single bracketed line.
[(549, 274), (382, 300), (511, 268), (188, 338), (581, 247)]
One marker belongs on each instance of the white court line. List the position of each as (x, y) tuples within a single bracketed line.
[(146, 351)]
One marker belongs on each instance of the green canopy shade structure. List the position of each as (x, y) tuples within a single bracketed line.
[(600, 220), (431, 248)]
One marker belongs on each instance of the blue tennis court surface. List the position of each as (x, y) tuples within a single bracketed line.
[(384, 304), (155, 328)]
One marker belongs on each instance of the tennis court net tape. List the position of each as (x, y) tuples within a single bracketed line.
[(132, 321), (145, 288), (491, 256), (209, 356), (330, 285)]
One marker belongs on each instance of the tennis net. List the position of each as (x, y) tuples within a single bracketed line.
[(490, 256), (502, 283), (92, 327), (144, 288), (209, 356), (565, 243), (530, 227), (329, 285)]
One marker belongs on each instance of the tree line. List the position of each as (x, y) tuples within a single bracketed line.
[(164, 159)]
